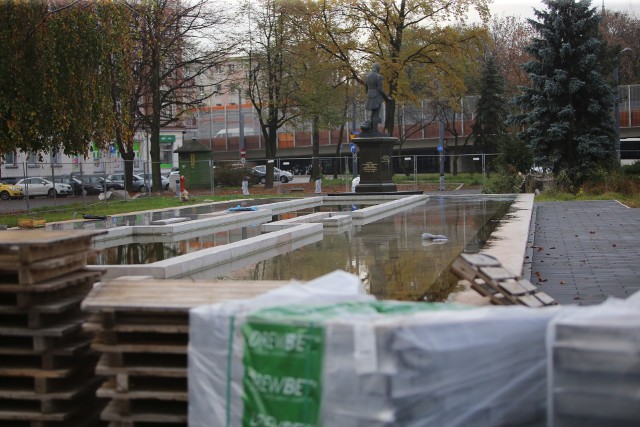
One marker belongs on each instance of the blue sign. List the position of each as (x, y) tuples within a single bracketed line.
[(440, 149), (353, 147)]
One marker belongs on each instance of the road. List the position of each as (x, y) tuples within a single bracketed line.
[(7, 206)]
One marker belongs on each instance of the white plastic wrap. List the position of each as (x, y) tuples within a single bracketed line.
[(594, 368), (382, 363), (215, 344)]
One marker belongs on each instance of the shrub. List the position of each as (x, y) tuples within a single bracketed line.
[(633, 169), (506, 180)]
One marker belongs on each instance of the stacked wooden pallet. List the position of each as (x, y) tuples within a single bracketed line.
[(142, 333), (485, 275), (46, 363)]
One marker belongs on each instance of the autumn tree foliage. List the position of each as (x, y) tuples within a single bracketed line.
[(421, 45), (510, 35), (53, 97), (567, 107), (272, 75), (622, 30)]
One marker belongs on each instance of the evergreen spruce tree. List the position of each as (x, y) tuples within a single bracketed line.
[(491, 113), (567, 116)]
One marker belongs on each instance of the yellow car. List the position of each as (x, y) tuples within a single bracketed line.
[(10, 191)]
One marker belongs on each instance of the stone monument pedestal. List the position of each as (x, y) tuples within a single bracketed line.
[(375, 161)]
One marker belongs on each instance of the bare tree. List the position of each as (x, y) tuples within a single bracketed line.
[(175, 44), (271, 80)]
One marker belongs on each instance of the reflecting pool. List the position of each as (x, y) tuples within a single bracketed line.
[(390, 255)]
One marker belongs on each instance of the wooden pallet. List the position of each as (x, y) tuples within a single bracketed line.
[(484, 274), (27, 247), (46, 363), (142, 331), (40, 271)]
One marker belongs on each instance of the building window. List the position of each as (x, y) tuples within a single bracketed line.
[(56, 159), (10, 158), (32, 159), (98, 160), (166, 154)]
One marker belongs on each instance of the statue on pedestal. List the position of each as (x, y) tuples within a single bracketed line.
[(375, 95)]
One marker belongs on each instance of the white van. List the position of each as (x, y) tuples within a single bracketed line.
[(231, 132)]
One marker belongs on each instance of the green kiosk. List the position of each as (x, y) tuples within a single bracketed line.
[(194, 160)]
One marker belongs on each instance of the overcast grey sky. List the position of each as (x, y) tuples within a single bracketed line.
[(525, 8)]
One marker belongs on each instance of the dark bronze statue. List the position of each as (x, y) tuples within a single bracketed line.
[(375, 95)]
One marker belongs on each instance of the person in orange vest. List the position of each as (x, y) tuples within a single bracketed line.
[(184, 195)]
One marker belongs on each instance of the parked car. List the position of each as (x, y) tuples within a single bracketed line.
[(137, 182), (9, 180), (79, 187), (148, 177), (280, 175), (102, 182), (233, 174), (10, 191), (43, 187)]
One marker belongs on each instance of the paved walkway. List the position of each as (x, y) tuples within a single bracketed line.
[(583, 252)]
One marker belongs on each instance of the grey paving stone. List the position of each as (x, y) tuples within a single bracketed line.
[(593, 246)]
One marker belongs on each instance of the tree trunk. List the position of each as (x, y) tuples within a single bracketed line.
[(156, 101)]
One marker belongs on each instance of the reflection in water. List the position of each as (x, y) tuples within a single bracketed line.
[(149, 252), (389, 255)]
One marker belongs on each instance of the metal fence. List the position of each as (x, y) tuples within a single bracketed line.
[(413, 170), (219, 126)]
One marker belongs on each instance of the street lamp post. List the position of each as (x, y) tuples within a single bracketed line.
[(616, 105), (241, 128)]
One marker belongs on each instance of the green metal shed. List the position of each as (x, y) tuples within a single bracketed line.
[(194, 159)]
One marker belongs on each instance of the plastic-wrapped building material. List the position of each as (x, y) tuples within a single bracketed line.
[(364, 363), (594, 368)]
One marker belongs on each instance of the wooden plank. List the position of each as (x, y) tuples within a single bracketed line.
[(545, 298), (75, 278), (527, 285), (56, 306), (69, 345), (513, 287), (529, 301), (45, 365), (59, 330), (40, 271), (480, 260), (145, 411), (464, 269), (170, 295), (154, 368), (150, 327), (28, 246), (69, 391), (495, 274), (159, 348), (146, 390)]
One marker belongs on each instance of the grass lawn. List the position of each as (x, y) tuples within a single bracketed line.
[(111, 207)]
